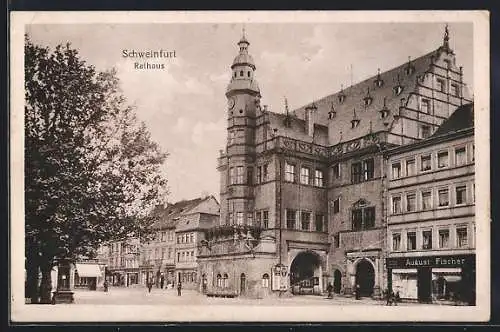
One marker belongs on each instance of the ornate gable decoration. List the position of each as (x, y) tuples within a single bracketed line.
[(361, 203)]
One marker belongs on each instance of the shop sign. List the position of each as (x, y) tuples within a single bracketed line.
[(430, 261)]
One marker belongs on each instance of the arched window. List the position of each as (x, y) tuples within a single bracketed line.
[(265, 280), (225, 280), (219, 280), (241, 73)]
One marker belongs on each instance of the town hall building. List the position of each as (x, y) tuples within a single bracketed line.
[(303, 197)]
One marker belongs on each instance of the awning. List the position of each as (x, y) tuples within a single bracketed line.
[(404, 271), (88, 270)]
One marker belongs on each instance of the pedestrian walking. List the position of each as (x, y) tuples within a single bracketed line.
[(162, 282), (105, 286), (357, 292), (329, 289), (150, 285), (179, 288)]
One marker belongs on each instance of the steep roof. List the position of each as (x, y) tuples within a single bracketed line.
[(462, 118), (170, 214), (340, 125)]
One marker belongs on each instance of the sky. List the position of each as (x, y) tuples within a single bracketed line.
[(184, 105)]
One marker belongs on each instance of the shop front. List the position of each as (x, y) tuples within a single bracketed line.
[(435, 279)]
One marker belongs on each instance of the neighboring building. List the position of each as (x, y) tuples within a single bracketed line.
[(302, 192), (431, 226), (190, 232), (134, 261)]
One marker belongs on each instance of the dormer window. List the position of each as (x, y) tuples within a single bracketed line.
[(341, 98), (398, 89), (355, 121), (378, 81), (368, 99), (384, 112), (410, 69), (332, 113)]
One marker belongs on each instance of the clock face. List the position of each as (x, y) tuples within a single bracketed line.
[(230, 103)]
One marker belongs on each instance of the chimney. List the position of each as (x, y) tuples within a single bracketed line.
[(310, 114)]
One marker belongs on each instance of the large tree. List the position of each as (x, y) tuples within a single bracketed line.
[(92, 172)]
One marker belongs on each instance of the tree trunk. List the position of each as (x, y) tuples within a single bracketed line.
[(32, 272), (46, 285)]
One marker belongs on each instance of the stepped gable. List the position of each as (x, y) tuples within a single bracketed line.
[(462, 118), (340, 125)]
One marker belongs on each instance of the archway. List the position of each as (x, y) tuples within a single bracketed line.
[(365, 277), (337, 281), (304, 273), (243, 281)]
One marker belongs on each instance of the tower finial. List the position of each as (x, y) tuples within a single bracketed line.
[(446, 38), (243, 31)]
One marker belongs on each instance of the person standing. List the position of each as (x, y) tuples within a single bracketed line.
[(179, 288), (162, 282), (150, 285), (357, 292), (329, 289)]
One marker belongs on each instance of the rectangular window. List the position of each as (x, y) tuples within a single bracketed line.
[(232, 175), (396, 170), (178, 256), (440, 86), (461, 195), (336, 171), (454, 90), (396, 242), (425, 163), (396, 204), (442, 159), (265, 219), (460, 157), (304, 175), (411, 240), (424, 131), (289, 172), (368, 169), (250, 175), (410, 202), (424, 106), (462, 237), (444, 238), (249, 218), (319, 223), (239, 175), (239, 218), (305, 219), (369, 217), (336, 205), (259, 174), (290, 219), (426, 200), (410, 167), (427, 239), (230, 217), (264, 173), (191, 237), (356, 172), (258, 220), (336, 240), (357, 219), (443, 196), (318, 178)]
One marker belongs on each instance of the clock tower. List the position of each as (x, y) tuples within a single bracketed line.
[(237, 163)]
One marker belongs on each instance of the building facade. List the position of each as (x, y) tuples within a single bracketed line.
[(134, 261), (303, 192), (431, 227)]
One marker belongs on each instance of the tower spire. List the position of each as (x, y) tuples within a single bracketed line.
[(446, 38)]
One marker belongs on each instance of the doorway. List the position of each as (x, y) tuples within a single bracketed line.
[(365, 278), (337, 281), (304, 273), (424, 284), (243, 281)]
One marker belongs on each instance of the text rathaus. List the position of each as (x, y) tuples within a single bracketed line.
[(304, 193)]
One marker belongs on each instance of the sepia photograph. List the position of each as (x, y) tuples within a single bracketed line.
[(249, 166)]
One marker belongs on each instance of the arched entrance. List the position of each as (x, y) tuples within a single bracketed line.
[(243, 282), (337, 281), (365, 277), (304, 273)]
